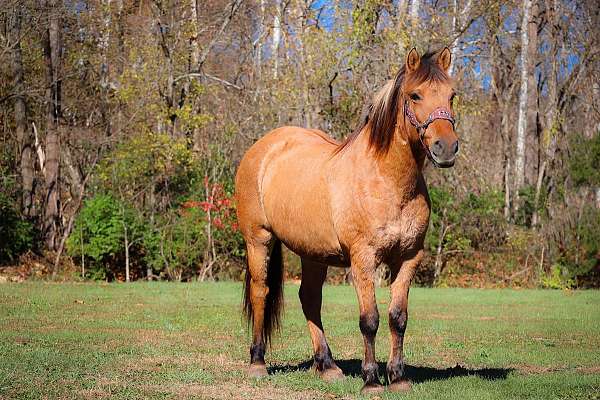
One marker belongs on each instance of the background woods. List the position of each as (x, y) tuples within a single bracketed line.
[(122, 122)]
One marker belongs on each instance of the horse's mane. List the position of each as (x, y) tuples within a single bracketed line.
[(382, 112)]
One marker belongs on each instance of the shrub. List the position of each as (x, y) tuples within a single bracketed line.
[(176, 244), (99, 234), (16, 234)]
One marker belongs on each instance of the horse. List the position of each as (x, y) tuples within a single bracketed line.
[(354, 204)]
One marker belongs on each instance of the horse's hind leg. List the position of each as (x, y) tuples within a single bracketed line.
[(258, 248), (313, 276)]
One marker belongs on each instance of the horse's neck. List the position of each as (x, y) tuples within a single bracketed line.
[(403, 162)]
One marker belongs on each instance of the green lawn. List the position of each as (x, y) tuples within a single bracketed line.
[(165, 340)]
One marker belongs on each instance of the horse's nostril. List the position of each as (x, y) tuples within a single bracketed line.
[(438, 147), (455, 147)]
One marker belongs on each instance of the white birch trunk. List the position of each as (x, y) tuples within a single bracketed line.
[(276, 38), (194, 51), (258, 44), (401, 9), (459, 18), (519, 175), (414, 12)]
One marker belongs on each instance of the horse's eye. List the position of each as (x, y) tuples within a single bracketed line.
[(415, 97)]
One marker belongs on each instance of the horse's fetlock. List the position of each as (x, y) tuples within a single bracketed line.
[(395, 371), (370, 373), (323, 359), (257, 353)]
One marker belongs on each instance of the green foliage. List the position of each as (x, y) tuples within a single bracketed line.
[(558, 278), (176, 243), (475, 222), (16, 234), (99, 232), (144, 161), (578, 244), (584, 160), (527, 205)]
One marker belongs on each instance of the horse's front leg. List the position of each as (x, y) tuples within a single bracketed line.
[(363, 268), (403, 270)]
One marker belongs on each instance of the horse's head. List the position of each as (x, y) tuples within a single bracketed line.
[(427, 95)]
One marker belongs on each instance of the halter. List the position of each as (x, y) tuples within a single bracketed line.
[(438, 113)]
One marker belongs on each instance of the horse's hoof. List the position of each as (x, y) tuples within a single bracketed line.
[(257, 371), (332, 374), (402, 386), (371, 389)]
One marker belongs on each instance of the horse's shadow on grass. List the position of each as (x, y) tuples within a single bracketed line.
[(414, 373)]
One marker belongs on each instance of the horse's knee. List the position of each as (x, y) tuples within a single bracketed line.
[(369, 323), (398, 319)]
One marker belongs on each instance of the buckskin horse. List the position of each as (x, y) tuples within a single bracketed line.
[(353, 204)]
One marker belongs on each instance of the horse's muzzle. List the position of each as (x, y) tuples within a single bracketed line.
[(443, 153)]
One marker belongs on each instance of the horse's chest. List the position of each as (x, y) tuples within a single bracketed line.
[(405, 229)]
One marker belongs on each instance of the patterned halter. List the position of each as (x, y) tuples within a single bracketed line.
[(438, 113)]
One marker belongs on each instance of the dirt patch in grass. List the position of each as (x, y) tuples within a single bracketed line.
[(537, 369), (232, 391), (155, 363)]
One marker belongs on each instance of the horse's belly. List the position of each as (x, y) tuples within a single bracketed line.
[(296, 204)]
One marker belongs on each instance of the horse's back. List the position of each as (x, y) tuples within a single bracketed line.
[(282, 186)]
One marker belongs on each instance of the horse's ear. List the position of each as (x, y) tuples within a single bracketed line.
[(444, 59), (413, 60)]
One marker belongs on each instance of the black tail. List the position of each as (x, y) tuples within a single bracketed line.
[(274, 301)]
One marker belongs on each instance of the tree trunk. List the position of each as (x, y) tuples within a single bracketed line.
[(519, 174), (52, 53), (401, 9), (104, 74), (126, 237), (306, 116), (549, 134), (414, 12), (24, 138), (458, 20), (276, 38)]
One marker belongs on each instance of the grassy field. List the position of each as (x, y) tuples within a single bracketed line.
[(165, 340)]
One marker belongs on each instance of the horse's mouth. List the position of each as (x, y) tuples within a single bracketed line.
[(441, 163)]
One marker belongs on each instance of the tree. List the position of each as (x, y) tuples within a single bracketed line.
[(23, 132), (523, 101), (52, 56)]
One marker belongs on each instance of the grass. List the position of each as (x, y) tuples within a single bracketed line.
[(166, 340)]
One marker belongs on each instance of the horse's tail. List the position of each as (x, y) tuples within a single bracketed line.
[(274, 300)]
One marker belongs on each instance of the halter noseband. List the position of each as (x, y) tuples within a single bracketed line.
[(438, 113)]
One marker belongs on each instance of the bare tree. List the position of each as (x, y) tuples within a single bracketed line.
[(276, 38), (519, 175), (52, 56), (23, 132)]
